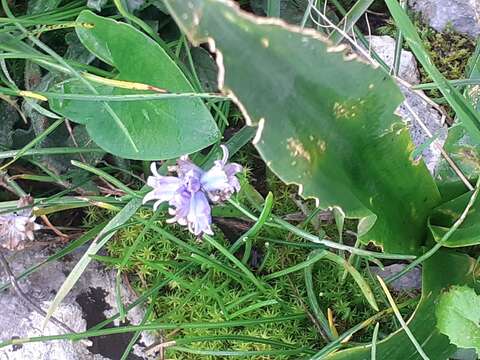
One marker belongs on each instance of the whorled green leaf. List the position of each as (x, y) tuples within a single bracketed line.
[(159, 129), (458, 317), (444, 269), (325, 121), (444, 216)]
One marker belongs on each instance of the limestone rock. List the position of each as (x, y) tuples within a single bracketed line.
[(384, 46), (408, 282), (462, 15), (90, 301)]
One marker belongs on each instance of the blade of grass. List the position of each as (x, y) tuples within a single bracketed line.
[(137, 334), (236, 262), (273, 8), (398, 46), (350, 19), (47, 151), (107, 177), (247, 238), (280, 223), (237, 338), (45, 95), (253, 307), (400, 319), (325, 330), (33, 143), (374, 342), (241, 300), (362, 284), (122, 217), (123, 262), (154, 327), (332, 346), (240, 352)]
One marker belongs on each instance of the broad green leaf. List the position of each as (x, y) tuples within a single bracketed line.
[(444, 216), (159, 129), (324, 123), (444, 269), (458, 317)]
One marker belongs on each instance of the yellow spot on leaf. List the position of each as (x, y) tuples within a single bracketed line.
[(346, 110), (297, 149)]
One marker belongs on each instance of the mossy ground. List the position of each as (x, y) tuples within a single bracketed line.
[(204, 294)]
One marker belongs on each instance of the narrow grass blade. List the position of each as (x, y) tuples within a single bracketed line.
[(351, 17), (273, 8), (236, 262), (34, 142), (122, 217), (154, 326), (47, 151), (400, 319), (253, 307), (374, 341), (107, 177)]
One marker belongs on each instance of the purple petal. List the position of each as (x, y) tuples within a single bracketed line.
[(215, 179), (199, 217), (164, 187), (180, 206), (184, 166), (220, 182), (191, 181), (231, 170)]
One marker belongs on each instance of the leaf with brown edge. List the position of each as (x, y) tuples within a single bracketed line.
[(325, 120)]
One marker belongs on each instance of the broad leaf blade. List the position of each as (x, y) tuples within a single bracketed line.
[(442, 270), (458, 317), (444, 216), (160, 129), (324, 123)]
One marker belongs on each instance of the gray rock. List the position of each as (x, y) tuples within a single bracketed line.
[(408, 282), (91, 301), (432, 120), (462, 15), (384, 46)]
